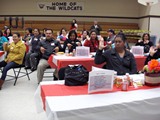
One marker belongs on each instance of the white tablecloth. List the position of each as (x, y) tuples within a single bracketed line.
[(37, 95), (131, 105)]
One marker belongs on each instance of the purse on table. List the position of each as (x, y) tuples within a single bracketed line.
[(76, 75)]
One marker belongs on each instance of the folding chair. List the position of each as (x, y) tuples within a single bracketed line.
[(18, 73)]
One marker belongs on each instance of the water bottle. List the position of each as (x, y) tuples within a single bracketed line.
[(66, 50), (124, 86), (126, 82), (74, 52)]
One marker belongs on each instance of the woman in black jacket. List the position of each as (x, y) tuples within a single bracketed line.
[(118, 58), (72, 42), (145, 42)]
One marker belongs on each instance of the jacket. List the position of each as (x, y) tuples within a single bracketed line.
[(92, 44), (124, 65), (34, 43), (49, 45), (146, 46), (155, 56), (16, 52), (98, 28), (72, 42)]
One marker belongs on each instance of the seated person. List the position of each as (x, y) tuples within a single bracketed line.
[(44, 32), (111, 36), (28, 35), (2, 40), (72, 42), (7, 33), (154, 53), (83, 36), (46, 47), (62, 36), (126, 42), (145, 42), (16, 51), (32, 57), (118, 59), (93, 41)]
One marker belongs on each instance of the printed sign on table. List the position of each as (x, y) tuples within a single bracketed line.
[(100, 80)]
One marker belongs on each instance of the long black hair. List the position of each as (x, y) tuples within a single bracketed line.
[(147, 35), (5, 32), (60, 33), (72, 32), (93, 30), (122, 36)]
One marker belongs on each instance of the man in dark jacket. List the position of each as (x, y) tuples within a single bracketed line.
[(47, 47), (97, 27)]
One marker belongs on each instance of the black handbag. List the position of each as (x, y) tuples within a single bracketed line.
[(76, 75)]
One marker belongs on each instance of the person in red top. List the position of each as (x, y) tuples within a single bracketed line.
[(93, 41), (74, 25)]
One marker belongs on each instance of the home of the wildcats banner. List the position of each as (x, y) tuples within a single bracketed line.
[(61, 6)]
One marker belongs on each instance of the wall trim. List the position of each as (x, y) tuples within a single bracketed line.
[(150, 16), (79, 16), (117, 17)]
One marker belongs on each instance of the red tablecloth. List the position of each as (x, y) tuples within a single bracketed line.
[(1, 53), (62, 90), (89, 62), (140, 62), (50, 61)]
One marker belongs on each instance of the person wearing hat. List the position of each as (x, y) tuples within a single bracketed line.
[(118, 58), (154, 53)]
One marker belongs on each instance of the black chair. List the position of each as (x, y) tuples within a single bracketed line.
[(18, 73)]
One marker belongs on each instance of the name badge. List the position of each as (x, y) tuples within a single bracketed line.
[(35, 39), (52, 44)]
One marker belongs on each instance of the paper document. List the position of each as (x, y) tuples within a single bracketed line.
[(100, 80)]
